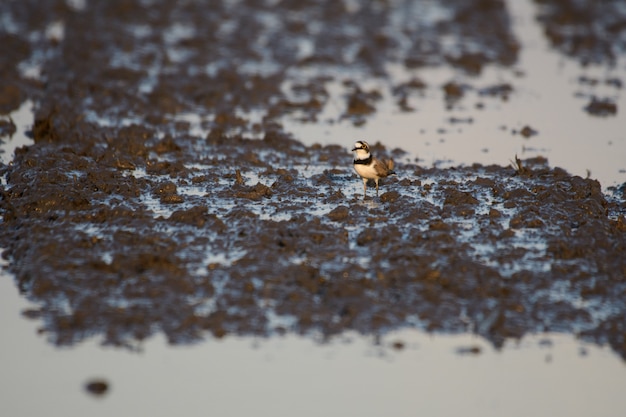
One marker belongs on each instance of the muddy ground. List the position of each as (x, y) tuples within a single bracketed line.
[(122, 221)]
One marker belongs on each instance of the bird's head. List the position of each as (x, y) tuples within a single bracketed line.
[(361, 146)]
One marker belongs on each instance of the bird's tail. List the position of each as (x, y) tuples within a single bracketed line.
[(390, 164)]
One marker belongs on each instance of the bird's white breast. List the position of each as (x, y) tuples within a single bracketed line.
[(366, 171)]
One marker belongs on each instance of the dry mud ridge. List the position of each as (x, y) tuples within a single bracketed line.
[(121, 221)]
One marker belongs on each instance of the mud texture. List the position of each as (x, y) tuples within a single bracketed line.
[(162, 194), (592, 32)]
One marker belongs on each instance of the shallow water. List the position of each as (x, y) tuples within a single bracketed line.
[(23, 120), (404, 374)]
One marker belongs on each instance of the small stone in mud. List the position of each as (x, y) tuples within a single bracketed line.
[(255, 193), (366, 237), (389, 197), (601, 107), (171, 199), (494, 213), (439, 225), (196, 216), (398, 345), (414, 84), (97, 387), (456, 197), (461, 120), (165, 188), (470, 62), (339, 213), (469, 350), (528, 131), (454, 90), (499, 90), (516, 222), (31, 313)]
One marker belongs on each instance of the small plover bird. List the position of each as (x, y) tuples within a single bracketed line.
[(368, 167)]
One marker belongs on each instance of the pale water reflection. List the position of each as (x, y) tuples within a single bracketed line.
[(408, 373), (23, 120)]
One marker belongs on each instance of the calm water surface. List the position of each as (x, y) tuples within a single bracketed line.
[(434, 375)]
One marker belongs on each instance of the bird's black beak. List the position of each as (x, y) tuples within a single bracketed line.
[(354, 149)]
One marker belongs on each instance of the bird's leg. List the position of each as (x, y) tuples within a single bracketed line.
[(377, 187), (364, 187)]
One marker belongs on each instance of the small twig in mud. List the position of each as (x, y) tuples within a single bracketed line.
[(518, 166), (238, 178)]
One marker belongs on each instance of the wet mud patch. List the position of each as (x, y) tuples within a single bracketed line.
[(586, 30), (170, 65), (163, 195), (265, 250), (593, 34)]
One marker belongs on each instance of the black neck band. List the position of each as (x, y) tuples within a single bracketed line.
[(366, 161)]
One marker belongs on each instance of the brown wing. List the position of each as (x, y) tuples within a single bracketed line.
[(383, 168)]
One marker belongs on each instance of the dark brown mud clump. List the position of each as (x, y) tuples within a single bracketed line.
[(97, 387), (589, 31), (601, 107)]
